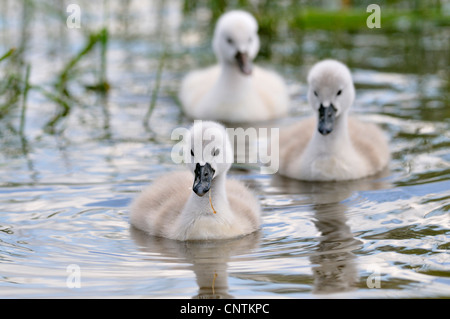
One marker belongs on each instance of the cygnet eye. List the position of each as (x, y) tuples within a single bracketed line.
[(229, 40), (339, 92), (215, 151), (315, 93), (192, 152)]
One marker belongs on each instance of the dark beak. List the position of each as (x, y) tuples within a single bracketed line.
[(203, 178), (244, 63), (327, 115)]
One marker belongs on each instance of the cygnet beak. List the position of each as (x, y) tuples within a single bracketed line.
[(203, 177), (244, 63), (327, 115)]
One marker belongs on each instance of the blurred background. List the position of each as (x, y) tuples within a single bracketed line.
[(141, 48), (85, 121)]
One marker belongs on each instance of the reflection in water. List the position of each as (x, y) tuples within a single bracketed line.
[(335, 268), (209, 259), (334, 263)]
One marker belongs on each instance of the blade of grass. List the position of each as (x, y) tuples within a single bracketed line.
[(11, 88), (102, 85), (104, 37), (26, 87), (7, 54), (63, 112), (93, 39), (155, 89)]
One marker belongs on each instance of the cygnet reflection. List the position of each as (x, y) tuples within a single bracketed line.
[(208, 259), (334, 265)]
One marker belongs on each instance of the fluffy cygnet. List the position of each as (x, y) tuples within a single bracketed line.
[(201, 203), (332, 146), (234, 90)]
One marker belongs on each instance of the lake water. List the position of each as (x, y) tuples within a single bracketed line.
[(64, 194)]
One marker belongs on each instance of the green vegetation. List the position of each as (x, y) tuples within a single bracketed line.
[(7, 54), (62, 96), (155, 90), (344, 15), (16, 82)]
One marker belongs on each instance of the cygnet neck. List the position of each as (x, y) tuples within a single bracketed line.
[(338, 139), (201, 205), (232, 75)]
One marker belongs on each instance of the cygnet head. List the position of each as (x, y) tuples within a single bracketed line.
[(330, 93), (236, 40), (210, 155)]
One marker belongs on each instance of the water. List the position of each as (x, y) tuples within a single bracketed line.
[(64, 196)]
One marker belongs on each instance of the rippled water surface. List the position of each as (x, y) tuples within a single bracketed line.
[(64, 194)]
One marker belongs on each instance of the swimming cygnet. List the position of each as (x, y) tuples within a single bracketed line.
[(234, 90), (332, 146), (201, 203)]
